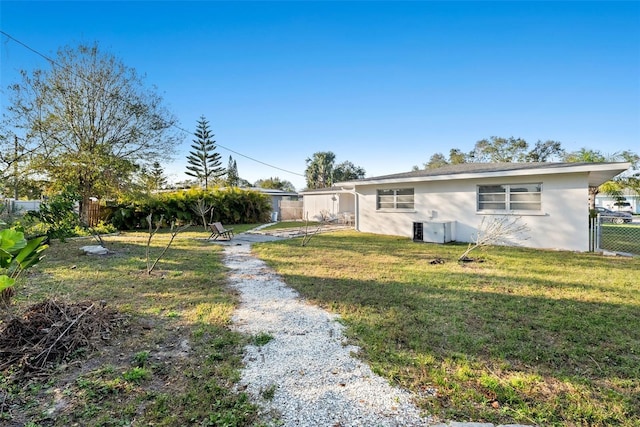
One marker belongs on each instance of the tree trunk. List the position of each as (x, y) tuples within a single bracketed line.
[(84, 206)]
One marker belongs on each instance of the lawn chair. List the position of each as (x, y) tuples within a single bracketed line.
[(217, 230)]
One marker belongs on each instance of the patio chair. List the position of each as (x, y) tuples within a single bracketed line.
[(218, 230)]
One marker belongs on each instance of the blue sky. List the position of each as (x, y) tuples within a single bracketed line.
[(381, 84)]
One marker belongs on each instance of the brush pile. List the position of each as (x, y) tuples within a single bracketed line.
[(52, 332)]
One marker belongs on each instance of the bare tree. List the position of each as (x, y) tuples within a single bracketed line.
[(152, 232), (497, 230), (201, 208), (308, 234)]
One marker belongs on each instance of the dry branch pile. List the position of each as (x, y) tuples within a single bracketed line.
[(50, 332)]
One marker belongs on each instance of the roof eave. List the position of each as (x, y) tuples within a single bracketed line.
[(597, 172)]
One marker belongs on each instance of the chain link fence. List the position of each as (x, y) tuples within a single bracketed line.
[(612, 233)]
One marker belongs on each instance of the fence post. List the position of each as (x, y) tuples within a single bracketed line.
[(594, 233), (598, 229)]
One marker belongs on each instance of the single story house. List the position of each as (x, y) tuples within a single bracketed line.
[(449, 203)]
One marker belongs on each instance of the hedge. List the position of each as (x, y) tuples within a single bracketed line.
[(230, 206)]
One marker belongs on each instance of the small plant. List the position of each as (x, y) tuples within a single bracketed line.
[(262, 339), (136, 375), (16, 255), (140, 359), (308, 235), (269, 392)]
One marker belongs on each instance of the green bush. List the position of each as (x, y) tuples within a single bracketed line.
[(230, 206), (58, 215)]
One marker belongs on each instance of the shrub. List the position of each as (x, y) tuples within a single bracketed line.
[(58, 215), (230, 206)]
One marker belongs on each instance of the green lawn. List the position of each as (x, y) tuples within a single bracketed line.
[(534, 337)]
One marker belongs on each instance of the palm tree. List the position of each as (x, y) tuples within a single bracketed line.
[(319, 172)]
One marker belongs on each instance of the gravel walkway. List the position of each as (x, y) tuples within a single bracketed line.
[(306, 375)]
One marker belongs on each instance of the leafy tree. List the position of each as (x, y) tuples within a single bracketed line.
[(631, 157), (275, 183), (154, 179), (545, 152), (322, 171), (93, 120), (457, 157), (436, 161), (233, 179), (347, 171), (585, 155), (319, 172), (243, 183), (14, 156), (158, 178), (204, 162), (497, 149), (633, 182)]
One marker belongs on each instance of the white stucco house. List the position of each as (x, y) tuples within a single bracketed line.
[(449, 203)]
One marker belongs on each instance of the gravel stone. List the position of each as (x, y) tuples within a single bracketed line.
[(307, 374)]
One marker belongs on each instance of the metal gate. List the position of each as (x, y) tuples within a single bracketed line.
[(607, 234)]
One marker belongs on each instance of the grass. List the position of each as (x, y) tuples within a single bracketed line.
[(534, 337), (292, 224), (175, 362), (262, 339), (527, 336)]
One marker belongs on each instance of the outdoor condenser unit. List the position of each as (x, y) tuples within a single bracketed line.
[(434, 231)]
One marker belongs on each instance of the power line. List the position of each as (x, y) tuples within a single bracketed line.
[(54, 63)]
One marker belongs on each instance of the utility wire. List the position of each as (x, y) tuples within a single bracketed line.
[(54, 63)]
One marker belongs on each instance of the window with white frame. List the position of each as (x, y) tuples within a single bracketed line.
[(510, 197), (398, 198)]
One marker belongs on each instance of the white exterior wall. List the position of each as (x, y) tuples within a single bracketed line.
[(346, 202), (563, 223), (315, 203)]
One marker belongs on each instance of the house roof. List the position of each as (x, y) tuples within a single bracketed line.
[(327, 190), (273, 191), (598, 172)]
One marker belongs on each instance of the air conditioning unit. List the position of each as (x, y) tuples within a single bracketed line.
[(434, 231)]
